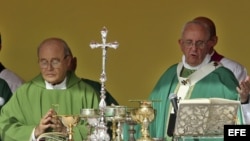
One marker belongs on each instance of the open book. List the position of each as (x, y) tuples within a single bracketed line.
[(205, 117)]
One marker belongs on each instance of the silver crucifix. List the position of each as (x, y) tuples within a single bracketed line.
[(103, 77), (104, 47)]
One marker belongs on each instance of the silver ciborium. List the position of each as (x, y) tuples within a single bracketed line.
[(91, 116), (116, 114), (109, 113), (144, 115)]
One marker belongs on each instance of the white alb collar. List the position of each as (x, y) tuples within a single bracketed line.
[(61, 85), (204, 62)]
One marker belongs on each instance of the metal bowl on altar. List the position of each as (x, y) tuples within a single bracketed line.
[(120, 112), (89, 113), (109, 111), (115, 112)]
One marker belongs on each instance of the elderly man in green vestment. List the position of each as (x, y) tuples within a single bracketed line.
[(203, 78), (28, 113), (196, 76), (238, 69)]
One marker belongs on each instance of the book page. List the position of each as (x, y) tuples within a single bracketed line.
[(191, 118), (221, 113), (196, 100), (205, 117), (222, 100), (210, 100)]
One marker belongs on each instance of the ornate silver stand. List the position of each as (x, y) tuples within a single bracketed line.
[(102, 128)]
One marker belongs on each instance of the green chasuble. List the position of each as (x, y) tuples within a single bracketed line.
[(220, 83), (32, 101)]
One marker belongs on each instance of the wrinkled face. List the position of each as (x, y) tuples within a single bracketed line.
[(195, 44), (53, 62)]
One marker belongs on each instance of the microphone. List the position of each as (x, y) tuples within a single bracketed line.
[(1, 101), (173, 99), (172, 118)]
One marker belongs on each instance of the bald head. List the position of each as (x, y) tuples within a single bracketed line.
[(53, 41), (208, 22), (211, 27)]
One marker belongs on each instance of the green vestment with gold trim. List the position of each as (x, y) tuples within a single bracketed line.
[(219, 83)]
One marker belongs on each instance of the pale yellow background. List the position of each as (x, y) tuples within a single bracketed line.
[(147, 31)]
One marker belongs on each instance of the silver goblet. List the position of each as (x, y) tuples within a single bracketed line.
[(117, 115), (92, 118)]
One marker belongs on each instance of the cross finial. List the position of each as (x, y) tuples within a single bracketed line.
[(104, 47)]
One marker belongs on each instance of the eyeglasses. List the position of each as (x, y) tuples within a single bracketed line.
[(190, 43), (55, 63)]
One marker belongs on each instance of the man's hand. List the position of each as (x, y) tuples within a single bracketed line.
[(244, 89), (49, 121), (44, 124)]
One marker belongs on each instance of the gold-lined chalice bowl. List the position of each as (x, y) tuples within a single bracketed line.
[(144, 115), (69, 121)]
